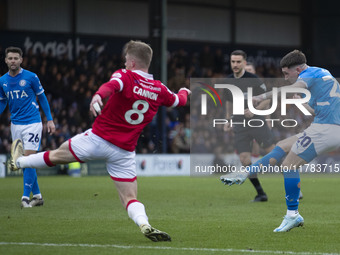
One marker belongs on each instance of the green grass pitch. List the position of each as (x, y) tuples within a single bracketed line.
[(84, 216)]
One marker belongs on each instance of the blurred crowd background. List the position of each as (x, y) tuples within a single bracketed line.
[(75, 45), (70, 85)]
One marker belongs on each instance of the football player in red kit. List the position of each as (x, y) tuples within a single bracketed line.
[(133, 98)]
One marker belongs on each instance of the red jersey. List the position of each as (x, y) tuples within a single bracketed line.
[(134, 98)]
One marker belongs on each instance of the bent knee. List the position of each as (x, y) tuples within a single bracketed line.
[(284, 146), (62, 155)]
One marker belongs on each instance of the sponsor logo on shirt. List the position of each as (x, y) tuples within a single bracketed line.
[(16, 94), (151, 87)]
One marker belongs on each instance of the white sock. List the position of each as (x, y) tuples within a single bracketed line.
[(136, 212), (32, 161), (38, 196), (292, 213), (24, 197)]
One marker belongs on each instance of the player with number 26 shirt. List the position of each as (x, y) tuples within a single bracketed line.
[(20, 89)]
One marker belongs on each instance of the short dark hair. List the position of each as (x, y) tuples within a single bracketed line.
[(293, 58), (14, 50), (239, 53)]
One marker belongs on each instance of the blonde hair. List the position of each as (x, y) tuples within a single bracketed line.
[(141, 51)]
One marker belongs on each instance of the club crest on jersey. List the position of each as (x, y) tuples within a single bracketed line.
[(22, 83)]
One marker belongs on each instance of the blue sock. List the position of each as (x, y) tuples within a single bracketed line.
[(29, 177), (35, 188), (292, 187), (277, 153)]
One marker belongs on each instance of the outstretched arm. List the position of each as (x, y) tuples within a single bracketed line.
[(183, 94), (268, 95)]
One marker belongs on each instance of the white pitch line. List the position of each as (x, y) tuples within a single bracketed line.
[(163, 248)]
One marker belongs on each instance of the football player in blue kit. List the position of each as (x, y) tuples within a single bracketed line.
[(20, 88), (321, 136)]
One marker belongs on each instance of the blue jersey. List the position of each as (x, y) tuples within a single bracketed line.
[(325, 94), (21, 92)]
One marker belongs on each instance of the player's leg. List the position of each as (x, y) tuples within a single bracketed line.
[(62, 155), (121, 166), (255, 156), (128, 196), (37, 199), (243, 141), (292, 184), (127, 192), (263, 137), (261, 195), (31, 139), (245, 158), (315, 140), (292, 179), (274, 157), (79, 148), (275, 154), (255, 152), (286, 145), (30, 176), (29, 134), (242, 146), (28, 180), (16, 131)]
